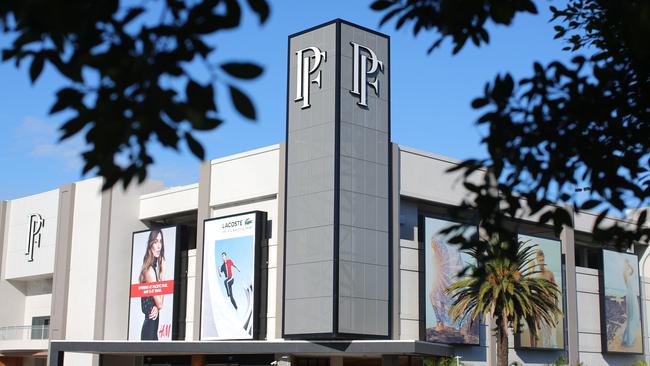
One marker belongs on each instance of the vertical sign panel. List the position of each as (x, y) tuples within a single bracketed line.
[(336, 278), (153, 278), (310, 183), (363, 212), (443, 263), (621, 309), (546, 263), (230, 252)]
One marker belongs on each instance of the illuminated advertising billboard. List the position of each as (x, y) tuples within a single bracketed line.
[(546, 262), (620, 303), (443, 263), (230, 287), (153, 284)]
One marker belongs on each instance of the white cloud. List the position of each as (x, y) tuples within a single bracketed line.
[(40, 140)]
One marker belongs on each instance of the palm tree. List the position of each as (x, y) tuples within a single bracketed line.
[(506, 288)]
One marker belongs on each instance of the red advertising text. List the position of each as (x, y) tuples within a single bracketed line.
[(164, 331), (152, 288)]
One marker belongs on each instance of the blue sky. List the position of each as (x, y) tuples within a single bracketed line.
[(431, 94)]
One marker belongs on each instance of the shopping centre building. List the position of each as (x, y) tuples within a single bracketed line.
[(321, 250)]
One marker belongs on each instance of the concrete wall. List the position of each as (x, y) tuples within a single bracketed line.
[(190, 318), (38, 299), (12, 293), (84, 256), (423, 176), (409, 272), (83, 286), (16, 264), (245, 176), (164, 202)]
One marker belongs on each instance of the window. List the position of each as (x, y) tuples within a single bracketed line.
[(40, 327)]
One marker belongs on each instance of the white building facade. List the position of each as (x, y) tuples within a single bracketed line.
[(316, 251)]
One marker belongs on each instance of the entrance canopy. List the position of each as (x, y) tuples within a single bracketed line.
[(293, 347)]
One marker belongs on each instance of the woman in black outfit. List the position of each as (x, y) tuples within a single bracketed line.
[(153, 270)]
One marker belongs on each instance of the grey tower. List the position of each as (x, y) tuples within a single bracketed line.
[(337, 234)]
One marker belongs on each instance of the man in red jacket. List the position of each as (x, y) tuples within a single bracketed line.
[(226, 269)]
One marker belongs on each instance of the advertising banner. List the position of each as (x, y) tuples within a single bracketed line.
[(229, 289), (621, 307), (546, 263), (153, 269), (443, 262)]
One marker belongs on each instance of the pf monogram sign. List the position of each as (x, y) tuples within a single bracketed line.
[(366, 67), (362, 68), (36, 223), (305, 67), (338, 137)]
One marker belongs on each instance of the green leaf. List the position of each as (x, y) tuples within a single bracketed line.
[(529, 6), (642, 218), (261, 7), (381, 5), (479, 102), (242, 70), (132, 14), (66, 97), (388, 16), (200, 97), (207, 124), (242, 103), (194, 146), (37, 67), (590, 204), (71, 127)]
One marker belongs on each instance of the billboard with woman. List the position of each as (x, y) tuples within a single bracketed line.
[(621, 314), (153, 269), (546, 263), (443, 263), (229, 296)]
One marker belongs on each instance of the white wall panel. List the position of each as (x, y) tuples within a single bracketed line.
[(190, 317), (409, 285), (423, 175), (168, 201), (589, 313), (82, 286), (409, 329), (584, 221), (37, 305), (587, 280), (245, 176), (16, 264)]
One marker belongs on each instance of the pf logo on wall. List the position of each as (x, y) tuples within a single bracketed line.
[(36, 223), (308, 60), (364, 67)]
